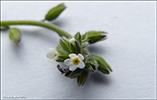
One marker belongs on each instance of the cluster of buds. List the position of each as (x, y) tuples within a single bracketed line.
[(74, 54)]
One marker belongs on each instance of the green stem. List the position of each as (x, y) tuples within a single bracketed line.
[(37, 23)]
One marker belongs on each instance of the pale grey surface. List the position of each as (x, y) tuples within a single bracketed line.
[(130, 50)]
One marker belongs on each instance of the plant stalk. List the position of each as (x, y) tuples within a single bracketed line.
[(60, 32)]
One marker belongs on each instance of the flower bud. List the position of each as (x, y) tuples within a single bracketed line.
[(64, 44), (84, 44), (104, 67), (95, 36), (78, 37), (91, 63), (15, 35), (55, 12), (72, 41)]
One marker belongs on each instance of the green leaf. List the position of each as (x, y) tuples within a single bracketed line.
[(103, 65), (14, 35), (64, 45), (54, 12), (78, 37), (82, 78), (95, 36)]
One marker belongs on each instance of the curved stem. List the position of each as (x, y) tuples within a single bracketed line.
[(37, 23)]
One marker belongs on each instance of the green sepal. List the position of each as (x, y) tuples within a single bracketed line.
[(54, 12), (60, 60), (73, 74), (103, 70), (95, 36), (78, 46), (64, 56), (81, 79), (85, 38), (103, 65), (15, 35), (89, 67), (93, 33), (73, 48), (84, 52), (60, 49), (64, 45), (84, 44), (78, 37)]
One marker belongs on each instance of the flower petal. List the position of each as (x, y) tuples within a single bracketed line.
[(68, 62), (80, 56), (55, 58), (72, 55), (50, 55), (72, 67), (52, 49), (81, 65), (51, 60)]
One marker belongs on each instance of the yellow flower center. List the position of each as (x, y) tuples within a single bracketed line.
[(55, 55), (76, 61)]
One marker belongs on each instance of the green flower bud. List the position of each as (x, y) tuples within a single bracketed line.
[(95, 36), (64, 44), (91, 63), (84, 44), (54, 12), (78, 37), (15, 35), (74, 45), (72, 41), (104, 67)]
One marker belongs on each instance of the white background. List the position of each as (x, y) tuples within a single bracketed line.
[(129, 49)]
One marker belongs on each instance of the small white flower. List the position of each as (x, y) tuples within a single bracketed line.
[(75, 61), (53, 55), (72, 41)]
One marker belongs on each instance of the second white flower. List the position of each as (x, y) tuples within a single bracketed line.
[(75, 61)]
